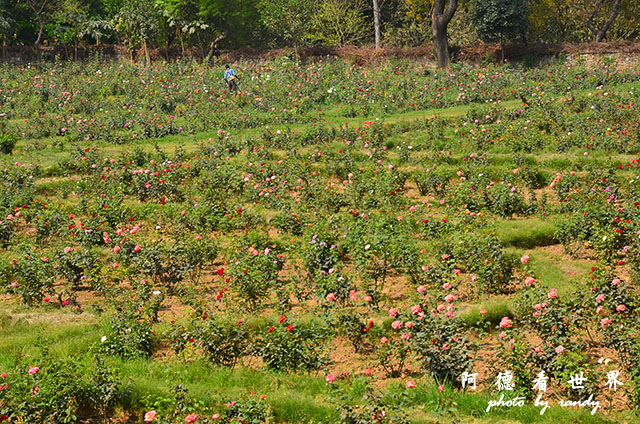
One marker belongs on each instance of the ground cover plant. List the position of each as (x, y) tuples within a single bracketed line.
[(337, 243)]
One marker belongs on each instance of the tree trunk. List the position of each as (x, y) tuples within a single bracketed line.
[(440, 18), (614, 14), (40, 31), (75, 44), (214, 45), (146, 52), (441, 46), (376, 23)]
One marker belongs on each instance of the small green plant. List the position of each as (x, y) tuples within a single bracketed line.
[(129, 336), (7, 143)]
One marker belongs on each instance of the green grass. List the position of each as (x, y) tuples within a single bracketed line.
[(496, 309), (526, 233)]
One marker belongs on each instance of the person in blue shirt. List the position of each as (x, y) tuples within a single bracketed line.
[(231, 79)]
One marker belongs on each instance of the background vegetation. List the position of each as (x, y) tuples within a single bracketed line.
[(210, 24)]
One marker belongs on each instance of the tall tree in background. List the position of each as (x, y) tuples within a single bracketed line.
[(6, 25), (499, 19), (137, 23), (595, 17), (234, 23), (42, 12), (339, 22), (376, 23), (182, 17), (71, 16), (441, 14), (288, 19)]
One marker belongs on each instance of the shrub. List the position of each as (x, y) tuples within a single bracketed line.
[(57, 392), (129, 336), (443, 348), (32, 276), (289, 347), (224, 342), (7, 143), (392, 354)]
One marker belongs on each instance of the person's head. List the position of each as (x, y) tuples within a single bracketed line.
[(227, 66)]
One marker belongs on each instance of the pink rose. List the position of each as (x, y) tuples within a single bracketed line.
[(421, 289), (396, 324), (605, 321), (410, 384), (505, 322), (553, 293), (524, 259), (150, 416), (191, 418), (33, 370), (559, 350), (393, 312), (330, 378)]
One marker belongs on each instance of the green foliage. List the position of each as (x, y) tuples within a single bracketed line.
[(499, 19), (339, 22), (222, 341), (442, 349), (136, 22), (290, 20), (57, 391), (129, 336), (7, 143), (291, 346)]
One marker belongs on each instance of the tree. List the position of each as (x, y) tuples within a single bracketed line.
[(339, 22), (182, 15), (137, 23), (290, 19), (499, 19), (96, 29), (593, 15), (441, 15), (42, 11), (6, 25), (235, 23), (70, 18), (376, 22)]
